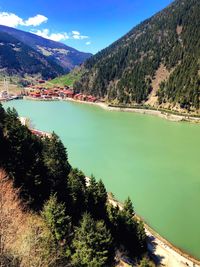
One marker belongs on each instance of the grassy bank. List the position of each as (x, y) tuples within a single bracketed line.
[(66, 80)]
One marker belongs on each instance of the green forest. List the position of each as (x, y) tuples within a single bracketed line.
[(50, 214), (124, 71)]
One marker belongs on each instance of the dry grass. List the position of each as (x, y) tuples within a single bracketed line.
[(162, 74)]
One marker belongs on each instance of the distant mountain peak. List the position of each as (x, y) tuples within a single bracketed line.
[(59, 55)]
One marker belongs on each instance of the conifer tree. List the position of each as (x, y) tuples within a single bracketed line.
[(54, 215), (77, 193), (97, 197), (58, 168), (23, 160), (128, 207), (92, 243)]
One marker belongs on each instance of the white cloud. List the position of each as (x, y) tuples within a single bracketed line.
[(75, 32), (12, 20), (60, 36), (44, 33), (35, 21), (77, 35), (52, 36)]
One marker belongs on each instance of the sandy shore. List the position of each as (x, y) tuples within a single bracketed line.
[(167, 254), (164, 115), (161, 250)]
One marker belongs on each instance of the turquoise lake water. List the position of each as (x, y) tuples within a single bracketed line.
[(154, 161)]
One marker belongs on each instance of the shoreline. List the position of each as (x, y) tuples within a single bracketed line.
[(161, 248), (161, 114)]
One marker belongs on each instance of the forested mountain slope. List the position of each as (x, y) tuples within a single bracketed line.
[(19, 47), (156, 63), (65, 56), (18, 58)]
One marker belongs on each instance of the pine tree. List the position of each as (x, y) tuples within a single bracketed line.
[(77, 193), (132, 235), (58, 168), (92, 243), (23, 160), (97, 198), (54, 215), (128, 207)]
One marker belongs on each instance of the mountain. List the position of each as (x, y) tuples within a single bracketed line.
[(18, 58), (56, 55), (157, 63)]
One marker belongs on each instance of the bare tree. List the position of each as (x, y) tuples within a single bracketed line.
[(37, 246), (25, 240), (11, 219)]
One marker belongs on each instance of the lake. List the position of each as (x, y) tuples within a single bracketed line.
[(154, 161)]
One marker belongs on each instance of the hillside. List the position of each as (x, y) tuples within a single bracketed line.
[(50, 209), (67, 79), (157, 63), (18, 58), (63, 55)]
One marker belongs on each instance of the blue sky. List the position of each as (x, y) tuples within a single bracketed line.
[(88, 25)]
